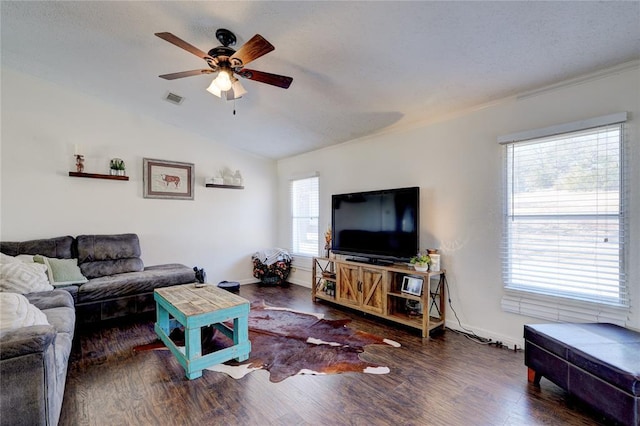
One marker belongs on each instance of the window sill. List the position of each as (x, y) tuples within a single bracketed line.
[(561, 309)]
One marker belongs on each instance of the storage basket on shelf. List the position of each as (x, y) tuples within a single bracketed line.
[(272, 266)]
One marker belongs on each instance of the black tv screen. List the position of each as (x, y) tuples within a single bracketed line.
[(376, 224)]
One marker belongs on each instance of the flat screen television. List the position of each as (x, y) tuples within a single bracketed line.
[(376, 225)]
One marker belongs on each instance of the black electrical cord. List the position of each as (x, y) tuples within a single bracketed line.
[(469, 334)]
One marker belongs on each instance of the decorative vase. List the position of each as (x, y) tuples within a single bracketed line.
[(421, 267)]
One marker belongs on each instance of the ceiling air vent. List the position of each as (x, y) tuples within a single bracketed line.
[(173, 98)]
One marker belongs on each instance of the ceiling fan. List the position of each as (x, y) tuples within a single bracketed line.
[(226, 62)]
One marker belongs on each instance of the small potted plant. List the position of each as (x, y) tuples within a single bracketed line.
[(117, 167), (421, 262)]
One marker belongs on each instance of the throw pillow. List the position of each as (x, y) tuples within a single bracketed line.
[(26, 258), (62, 271), (22, 278), (17, 312)]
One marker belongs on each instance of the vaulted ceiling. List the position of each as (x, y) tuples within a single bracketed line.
[(358, 68)]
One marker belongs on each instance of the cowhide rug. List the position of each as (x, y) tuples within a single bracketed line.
[(287, 343)]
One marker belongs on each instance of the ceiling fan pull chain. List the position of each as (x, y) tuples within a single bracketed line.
[(234, 106)]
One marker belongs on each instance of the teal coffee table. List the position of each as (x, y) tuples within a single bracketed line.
[(194, 308)]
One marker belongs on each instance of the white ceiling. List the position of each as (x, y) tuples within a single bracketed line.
[(358, 68)]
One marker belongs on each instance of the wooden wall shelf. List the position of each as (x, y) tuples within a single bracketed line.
[(98, 176), (213, 185)]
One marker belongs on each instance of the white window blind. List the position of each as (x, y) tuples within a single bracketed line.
[(565, 229), (304, 195)]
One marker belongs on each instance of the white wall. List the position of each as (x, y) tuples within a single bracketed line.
[(42, 122), (458, 165)]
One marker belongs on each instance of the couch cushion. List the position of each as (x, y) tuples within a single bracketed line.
[(120, 285), (107, 247), (63, 319), (103, 255), (60, 247), (51, 299), (104, 268)]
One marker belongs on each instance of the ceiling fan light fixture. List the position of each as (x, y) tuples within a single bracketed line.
[(237, 88), (223, 80), (214, 90)]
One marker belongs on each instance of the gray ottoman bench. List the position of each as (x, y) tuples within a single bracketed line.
[(597, 363)]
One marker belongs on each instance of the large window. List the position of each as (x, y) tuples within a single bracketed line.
[(304, 216), (564, 229)]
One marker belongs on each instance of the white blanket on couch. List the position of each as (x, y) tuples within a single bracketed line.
[(17, 312)]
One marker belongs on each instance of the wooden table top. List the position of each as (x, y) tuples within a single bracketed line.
[(195, 301)]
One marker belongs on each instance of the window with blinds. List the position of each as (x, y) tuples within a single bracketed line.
[(564, 228), (304, 194)]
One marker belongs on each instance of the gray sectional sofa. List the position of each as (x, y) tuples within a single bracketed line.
[(34, 359), (33, 363)]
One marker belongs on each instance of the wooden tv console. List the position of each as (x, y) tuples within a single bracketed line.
[(377, 290)]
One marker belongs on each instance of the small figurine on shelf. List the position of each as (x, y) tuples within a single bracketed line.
[(327, 241), (79, 163), (237, 178)]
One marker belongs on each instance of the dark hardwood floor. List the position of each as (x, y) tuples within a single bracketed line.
[(448, 380)]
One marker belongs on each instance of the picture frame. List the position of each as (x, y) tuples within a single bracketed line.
[(412, 285), (171, 180)]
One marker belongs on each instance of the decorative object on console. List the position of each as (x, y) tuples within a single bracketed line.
[(327, 241), (413, 307), (412, 285), (168, 179), (435, 261), (421, 262)]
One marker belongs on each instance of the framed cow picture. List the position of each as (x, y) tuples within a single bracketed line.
[(167, 179)]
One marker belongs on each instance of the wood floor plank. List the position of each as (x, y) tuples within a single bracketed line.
[(449, 380)]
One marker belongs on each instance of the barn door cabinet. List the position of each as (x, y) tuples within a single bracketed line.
[(377, 290), (361, 287)]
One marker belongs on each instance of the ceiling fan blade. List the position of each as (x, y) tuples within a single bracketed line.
[(183, 45), (251, 50), (182, 74), (265, 77)]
